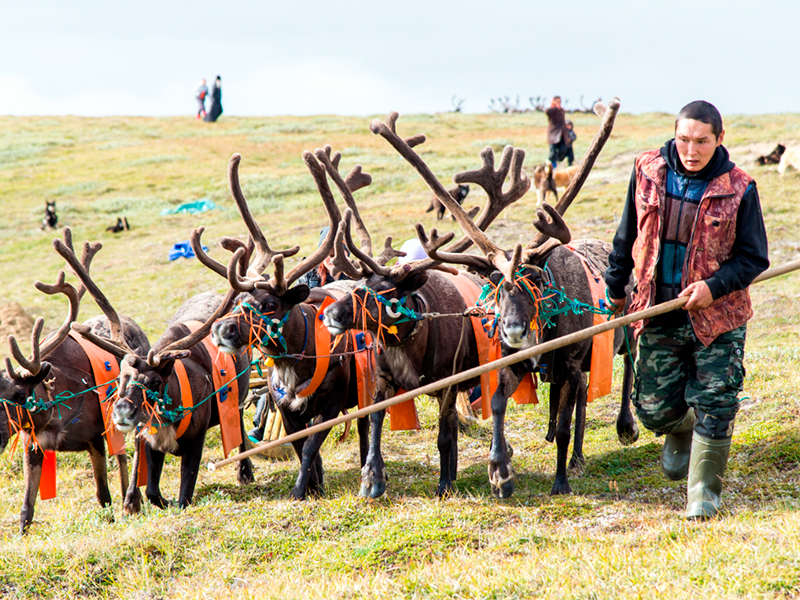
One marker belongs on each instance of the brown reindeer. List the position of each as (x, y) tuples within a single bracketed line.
[(412, 351), (528, 275), (309, 385), (173, 394), (53, 404)]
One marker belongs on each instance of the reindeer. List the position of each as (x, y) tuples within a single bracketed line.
[(280, 320), (412, 352), (521, 275), (168, 394), (34, 395)]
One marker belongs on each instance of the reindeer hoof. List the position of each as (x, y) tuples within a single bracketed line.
[(245, 474), (561, 489), (445, 490), (133, 503), (577, 462), (628, 434), (505, 490)]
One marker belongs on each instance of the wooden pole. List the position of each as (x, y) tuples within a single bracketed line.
[(566, 340)]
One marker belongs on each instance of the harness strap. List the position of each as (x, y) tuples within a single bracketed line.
[(186, 397), (104, 368), (322, 347), (602, 365), (488, 348), (223, 374)]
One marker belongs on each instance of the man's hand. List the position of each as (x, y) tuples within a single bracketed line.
[(699, 296), (616, 304)]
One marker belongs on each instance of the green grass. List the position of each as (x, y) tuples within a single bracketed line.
[(620, 535)]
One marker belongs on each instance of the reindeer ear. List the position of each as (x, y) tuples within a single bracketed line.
[(412, 282), (42, 374), (495, 277), (296, 294)]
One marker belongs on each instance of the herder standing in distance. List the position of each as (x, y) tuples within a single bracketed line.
[(691, 226)]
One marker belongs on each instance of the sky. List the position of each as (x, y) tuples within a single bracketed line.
[(369, 57)]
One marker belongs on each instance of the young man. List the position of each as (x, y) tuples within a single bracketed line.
[(691, 227), (560, 148)]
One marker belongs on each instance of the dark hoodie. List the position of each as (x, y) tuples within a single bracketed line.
[(682, 197)]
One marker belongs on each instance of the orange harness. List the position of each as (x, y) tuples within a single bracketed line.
[(225, 380), (489, 350), (105, 368), (602, 365)]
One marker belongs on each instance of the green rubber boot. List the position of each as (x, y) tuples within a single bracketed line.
[(676, 449), (706, 467)]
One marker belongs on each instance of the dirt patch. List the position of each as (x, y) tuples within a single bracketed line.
[(15, 321)]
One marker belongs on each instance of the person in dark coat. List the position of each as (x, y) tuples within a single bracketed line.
[(560, 146), (215, 110)]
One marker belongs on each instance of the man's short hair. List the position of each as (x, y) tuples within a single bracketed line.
[(702, 111)]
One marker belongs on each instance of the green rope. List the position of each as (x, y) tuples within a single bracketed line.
[(34, 404), (162, 401)]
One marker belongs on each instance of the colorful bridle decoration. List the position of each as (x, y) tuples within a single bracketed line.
[(265, 329)]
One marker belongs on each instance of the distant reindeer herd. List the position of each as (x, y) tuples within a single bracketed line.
[(385, 327)]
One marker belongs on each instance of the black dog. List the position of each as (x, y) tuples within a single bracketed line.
[(458, 193), (773, 158), (50, 217), (122, 225)]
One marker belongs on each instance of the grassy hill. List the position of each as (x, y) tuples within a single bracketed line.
[(620, 535)]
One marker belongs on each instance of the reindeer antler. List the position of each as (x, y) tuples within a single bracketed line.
[(117, 344), (486, 177), (263, 253), (154, 357)]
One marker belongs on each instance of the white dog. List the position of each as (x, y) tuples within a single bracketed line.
[(790, 159)]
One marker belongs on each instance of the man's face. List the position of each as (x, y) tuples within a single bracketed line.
[(696, 144)]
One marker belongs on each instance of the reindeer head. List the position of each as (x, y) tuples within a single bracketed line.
[(264, 316)]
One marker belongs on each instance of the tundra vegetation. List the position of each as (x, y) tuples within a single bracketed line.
[(620, 534)]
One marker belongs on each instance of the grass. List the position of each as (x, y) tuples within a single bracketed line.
[(620, 535)]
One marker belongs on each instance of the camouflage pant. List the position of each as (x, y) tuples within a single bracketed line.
[(675, 371)]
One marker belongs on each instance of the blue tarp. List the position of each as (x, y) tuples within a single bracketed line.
[(192, 208), (183, 249)]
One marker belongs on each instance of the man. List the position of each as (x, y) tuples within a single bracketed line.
[(200, 94), (556, 133), (691, 227)]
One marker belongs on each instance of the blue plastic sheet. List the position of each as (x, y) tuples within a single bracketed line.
[(191, 208), (183, 249)]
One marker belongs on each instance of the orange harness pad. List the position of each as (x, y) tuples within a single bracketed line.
[(105, 370), (225, 380), (602, 365)]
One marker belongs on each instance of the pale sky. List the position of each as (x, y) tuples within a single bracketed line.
[(369, 57)]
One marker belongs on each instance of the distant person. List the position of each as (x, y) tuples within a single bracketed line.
[(556, 133), (215, 110), (569, 137), (200, 94)]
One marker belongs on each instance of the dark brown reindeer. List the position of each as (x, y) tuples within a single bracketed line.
[(523, 273), (173, 394), (52, 403), (281, 321), (413, 352)]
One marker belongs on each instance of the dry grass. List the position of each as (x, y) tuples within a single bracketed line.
[(621, 534)]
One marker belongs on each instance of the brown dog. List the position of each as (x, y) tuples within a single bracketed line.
[(545, 179), (458, 193)]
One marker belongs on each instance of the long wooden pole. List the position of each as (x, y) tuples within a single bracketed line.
[(566, 340)]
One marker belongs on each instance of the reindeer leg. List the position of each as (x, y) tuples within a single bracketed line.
[(501, 474), (245, 472), (555, 394), (310, 479), (32, 468), (155, 464), (190, 468), (133, 496), (363, 439), (578, 460), (627, 429), (97, 454), (447, 443), (566, 406)]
